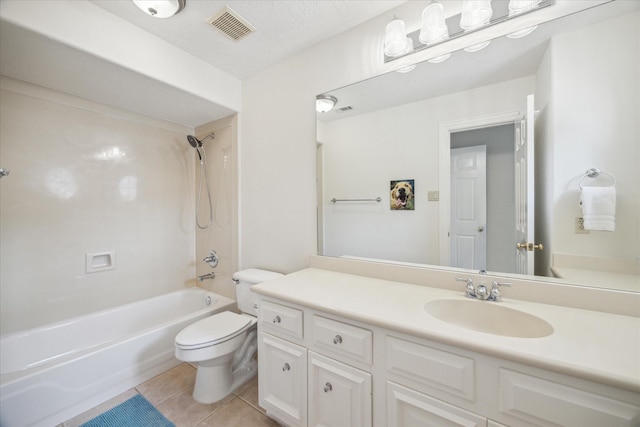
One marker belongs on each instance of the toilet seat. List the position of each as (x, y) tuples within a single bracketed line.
[(213, 330)]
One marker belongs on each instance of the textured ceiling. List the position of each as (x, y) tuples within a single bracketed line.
[(284, 28)]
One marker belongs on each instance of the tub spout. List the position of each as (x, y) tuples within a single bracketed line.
[(211, 275)]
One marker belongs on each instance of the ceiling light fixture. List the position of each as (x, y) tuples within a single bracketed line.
[(325, 103), (160, 8)]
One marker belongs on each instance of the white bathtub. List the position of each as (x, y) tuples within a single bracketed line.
[(52, 373)]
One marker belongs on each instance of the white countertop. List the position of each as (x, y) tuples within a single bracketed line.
[(605, 279), (596, 346)]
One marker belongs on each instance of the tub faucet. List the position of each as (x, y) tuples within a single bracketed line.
[(211, 275)]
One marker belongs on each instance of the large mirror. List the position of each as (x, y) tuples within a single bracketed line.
[(425, 128)]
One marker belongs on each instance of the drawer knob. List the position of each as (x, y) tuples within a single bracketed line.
[(328, 387), (277, 319), (286, 367), (337, 339)]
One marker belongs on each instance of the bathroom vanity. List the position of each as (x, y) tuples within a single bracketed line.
[(339, 349)]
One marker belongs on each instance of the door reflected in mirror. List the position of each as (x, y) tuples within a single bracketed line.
[(584, 72)]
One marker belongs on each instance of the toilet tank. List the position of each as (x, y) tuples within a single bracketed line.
[(243, 280)]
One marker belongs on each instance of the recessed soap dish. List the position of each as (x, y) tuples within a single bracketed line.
[(101, 261)]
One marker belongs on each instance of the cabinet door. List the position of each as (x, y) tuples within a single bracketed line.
[(408, 408), (282, 385), (339, 395)]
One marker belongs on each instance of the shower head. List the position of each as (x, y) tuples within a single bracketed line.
[(195, 142)]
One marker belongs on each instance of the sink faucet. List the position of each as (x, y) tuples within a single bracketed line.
[(480, 291)]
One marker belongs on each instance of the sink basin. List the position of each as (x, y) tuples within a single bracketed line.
[(488, 317)]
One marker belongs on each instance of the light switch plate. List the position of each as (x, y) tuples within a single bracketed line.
[(433, 196)]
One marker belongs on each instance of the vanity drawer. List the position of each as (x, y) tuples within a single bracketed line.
[(342, 340), (281, 320), (430, 370)]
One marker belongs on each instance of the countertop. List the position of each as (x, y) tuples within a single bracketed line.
[(605, 279), (595, 346)]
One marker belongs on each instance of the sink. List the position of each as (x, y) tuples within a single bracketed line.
[(488, 317)]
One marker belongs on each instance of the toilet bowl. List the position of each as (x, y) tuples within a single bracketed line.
[(224, 345)]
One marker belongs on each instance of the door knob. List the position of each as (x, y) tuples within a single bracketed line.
[(530, 246), (481, 229)]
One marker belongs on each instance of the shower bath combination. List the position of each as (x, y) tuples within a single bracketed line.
[(202, 155)]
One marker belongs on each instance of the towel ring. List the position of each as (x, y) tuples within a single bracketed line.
[(592, 173)]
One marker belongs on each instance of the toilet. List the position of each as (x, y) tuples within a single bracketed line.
[(224, 345)]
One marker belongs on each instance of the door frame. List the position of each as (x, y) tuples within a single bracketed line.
[(444, 148)]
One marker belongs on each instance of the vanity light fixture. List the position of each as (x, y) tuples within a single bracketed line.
[(475, 14), (517, 7), (436, 28), (433, 28), (325, 103), (396, 42), (160, 8)]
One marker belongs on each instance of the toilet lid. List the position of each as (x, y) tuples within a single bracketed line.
[(211, 330)]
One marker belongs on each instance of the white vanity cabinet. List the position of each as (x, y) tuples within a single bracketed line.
[(347, 363), (430, 383), (303, 377)]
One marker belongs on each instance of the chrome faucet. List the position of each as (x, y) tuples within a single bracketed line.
[(211, 275), (480, 291), (212, 259)]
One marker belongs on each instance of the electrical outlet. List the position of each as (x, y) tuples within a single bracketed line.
[(580, 226)]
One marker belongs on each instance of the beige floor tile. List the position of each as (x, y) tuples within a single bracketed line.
[(103, 407), (184, 411), (163, 386), (249, 393), (238, 413)]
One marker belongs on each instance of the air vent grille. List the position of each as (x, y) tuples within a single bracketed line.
[(344, 109), (230, 23)]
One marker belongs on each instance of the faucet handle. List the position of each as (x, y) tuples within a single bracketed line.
[(495, 291), (470, 289)]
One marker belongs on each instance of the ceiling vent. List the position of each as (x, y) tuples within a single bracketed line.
[(231, 24), (344, 109)]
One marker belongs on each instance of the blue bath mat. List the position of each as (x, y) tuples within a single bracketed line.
[(135, 412)]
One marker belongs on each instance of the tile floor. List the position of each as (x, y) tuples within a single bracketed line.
[(170, 392)]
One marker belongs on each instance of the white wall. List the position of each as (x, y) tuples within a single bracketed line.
[(598, 63), (278, 144), (364, 153), (88, 178)]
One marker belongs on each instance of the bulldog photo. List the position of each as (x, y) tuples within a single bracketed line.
[(402, 194)]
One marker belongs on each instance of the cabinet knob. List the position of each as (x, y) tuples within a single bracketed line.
[(337, 339), (286, 367), (277, 319), (328, 387)]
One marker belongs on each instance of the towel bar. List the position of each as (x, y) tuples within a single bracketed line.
[(592, 173)]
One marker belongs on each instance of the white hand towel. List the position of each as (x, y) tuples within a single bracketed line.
[(599, 208)]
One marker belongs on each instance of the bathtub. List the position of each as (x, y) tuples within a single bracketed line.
[(52, 373)]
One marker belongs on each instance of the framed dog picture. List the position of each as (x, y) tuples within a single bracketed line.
[(402, 195)]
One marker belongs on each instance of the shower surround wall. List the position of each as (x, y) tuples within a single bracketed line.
[(222, 235), (88, 178)]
